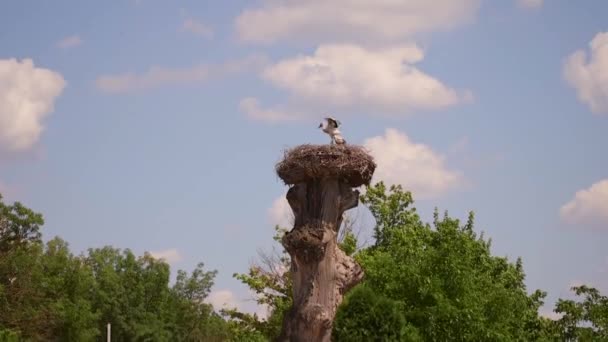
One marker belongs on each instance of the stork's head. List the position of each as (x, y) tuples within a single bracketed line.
[(324, 123)]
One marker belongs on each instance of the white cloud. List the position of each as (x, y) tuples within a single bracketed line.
[(263, 311), (251, 107), (161, 76), (280, 213), (350, 76), (197, 28), (351, 20), (226, 299), (69, 42), (415, 166), (223, 299), (27, 96), (589, 76), (531, 4), (169, 255), (588, 205)]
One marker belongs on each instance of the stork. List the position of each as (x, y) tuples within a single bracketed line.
[(330, 125)]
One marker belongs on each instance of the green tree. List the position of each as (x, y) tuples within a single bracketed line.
[(8, 336), (23, 306), (582, 320), (24, 309), (48, 294), (133, 294), (447, 282), (195, 319), (270, 280), (67, 282), (366, 315), (19, 225)]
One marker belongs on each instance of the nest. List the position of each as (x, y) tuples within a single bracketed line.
[(351, 164)]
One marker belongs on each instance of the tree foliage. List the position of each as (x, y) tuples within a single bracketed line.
[(49, 294), (366, 315), (270, 280), (19, 225), (444, 276), (583, 320), (433, 281)]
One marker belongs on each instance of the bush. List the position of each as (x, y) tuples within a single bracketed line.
[(367, 316), (8, 336)]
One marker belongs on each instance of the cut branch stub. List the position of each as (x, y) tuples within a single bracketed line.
[(322, 179)]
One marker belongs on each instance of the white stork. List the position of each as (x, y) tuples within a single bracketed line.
[(330, 126)]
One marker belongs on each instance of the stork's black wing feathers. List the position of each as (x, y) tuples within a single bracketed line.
[(333, 122)]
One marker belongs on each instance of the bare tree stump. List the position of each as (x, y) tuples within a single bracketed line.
[(322, 180)]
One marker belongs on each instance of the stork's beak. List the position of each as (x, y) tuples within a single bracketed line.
[(320, 125)]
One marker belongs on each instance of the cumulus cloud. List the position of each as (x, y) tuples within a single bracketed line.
[(169, 255), (69, 42), (415, 166), (588, 205), (27, 96), (226, 299), (196, 27), (588, 74), (350, 76), (531, 4), (350, 20), (280, 213), (162, 76), (223, 299)]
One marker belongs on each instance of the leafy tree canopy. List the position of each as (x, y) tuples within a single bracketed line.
[(433, 281), (449, 285), (49, 294)]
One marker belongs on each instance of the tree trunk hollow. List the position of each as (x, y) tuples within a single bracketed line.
[(321, 272)]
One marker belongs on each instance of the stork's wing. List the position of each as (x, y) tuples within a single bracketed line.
[(335, 122)]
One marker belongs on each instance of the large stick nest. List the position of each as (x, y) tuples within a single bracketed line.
[(351, 164)]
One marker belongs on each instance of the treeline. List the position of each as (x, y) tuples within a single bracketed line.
[(430, 282), (49, 294), (423, 282)]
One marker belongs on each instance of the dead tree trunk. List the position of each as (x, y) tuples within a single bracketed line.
[(322, 273)]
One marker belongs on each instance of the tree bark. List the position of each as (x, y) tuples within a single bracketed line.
[(321, 272)]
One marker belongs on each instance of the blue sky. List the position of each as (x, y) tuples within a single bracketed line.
[(155, 126)]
